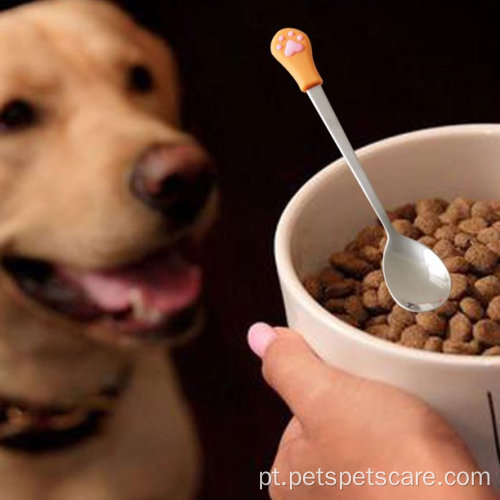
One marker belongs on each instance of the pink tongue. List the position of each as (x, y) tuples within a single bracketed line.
[(163, 285)]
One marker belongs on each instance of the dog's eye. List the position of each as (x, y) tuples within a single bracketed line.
[(140, 79), (17, 114)]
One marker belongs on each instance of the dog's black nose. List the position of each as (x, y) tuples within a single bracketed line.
[(174, 179)]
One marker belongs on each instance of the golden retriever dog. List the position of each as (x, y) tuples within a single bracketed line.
[(103, 201)]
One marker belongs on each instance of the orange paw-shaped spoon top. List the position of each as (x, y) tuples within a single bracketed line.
[(292, 48)]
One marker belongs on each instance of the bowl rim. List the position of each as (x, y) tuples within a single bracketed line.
[(293, 284)]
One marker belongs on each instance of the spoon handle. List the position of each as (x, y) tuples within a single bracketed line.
[(292, 48), (325, 111)]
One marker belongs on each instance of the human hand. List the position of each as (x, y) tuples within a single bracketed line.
[(343, 423)]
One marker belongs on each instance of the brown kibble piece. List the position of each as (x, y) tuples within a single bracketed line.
[(385, 332), (444, 249), (428, 241), (464, 240), (414, 336), (472, 308), (434, 344), (473, 225), (458, 285), (400, 318), (371, 254), (329, 275), (427, 223), (348, 319), (492, 351), (370, 236), (351, 247), (471, 279), (313, 287), (354, 307), (460, 328), (456, 264), (457, 210), (381, 319), (377, 329), (475, 347), (431, 322), (488, 235), (448, 309), (430, 206), (446, 232), (487, 332), (370, 299), (338, 289), (484, 210), (385, 299), (494, 246), (350, 264), (406, 228), (335, 305), (493, 310), (487, 288), (480, 258), (373, 279), (451, 346), (404, 212)]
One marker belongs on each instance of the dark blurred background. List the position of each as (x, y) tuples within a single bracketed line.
[(388, 68)]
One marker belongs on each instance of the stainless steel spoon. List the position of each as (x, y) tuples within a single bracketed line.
[(416, 277)]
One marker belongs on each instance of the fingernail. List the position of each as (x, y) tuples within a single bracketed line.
[(260, 336)]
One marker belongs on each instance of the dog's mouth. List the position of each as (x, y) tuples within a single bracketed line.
[(156, 296)]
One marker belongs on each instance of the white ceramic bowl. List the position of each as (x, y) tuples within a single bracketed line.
[(326, 214)]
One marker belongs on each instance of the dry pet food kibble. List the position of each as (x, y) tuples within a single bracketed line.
[(466, 235)]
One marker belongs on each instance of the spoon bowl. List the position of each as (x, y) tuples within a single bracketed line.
[(415, 275)]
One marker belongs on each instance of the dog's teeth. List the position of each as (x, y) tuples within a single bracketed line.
[(151, 316), (137, 303), (154, 316), (140, 311)]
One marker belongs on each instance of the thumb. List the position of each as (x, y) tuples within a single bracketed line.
[(294, 371)]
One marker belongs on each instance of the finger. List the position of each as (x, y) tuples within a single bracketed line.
[(293, 370), (295, 373)]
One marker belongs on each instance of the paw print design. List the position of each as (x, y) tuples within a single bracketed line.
[(292, 48), (291, 43)]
